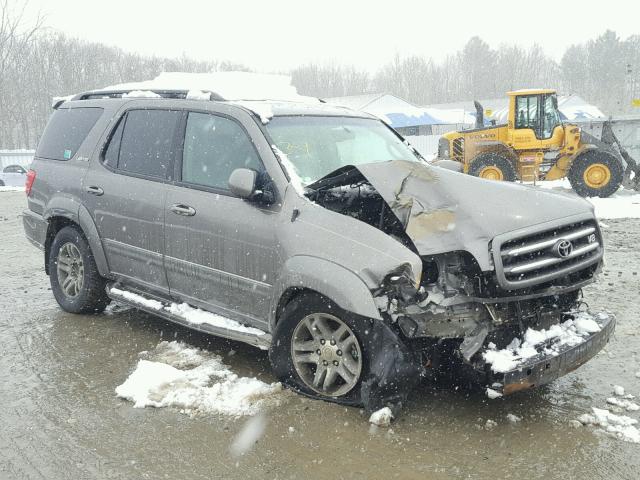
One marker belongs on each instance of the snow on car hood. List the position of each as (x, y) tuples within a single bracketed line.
[(444, 211)]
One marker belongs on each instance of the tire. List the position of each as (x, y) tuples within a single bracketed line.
[(1, 183), (492, 166), (596, 173), (304, 312), (79, 288)]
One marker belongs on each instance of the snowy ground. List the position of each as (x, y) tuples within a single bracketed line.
[(61, 417), (4, 188), (622, 204), (193, 380)]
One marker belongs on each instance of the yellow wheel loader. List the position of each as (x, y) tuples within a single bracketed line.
[(536, 145)]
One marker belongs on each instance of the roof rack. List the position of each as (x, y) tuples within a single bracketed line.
[(170, 94)]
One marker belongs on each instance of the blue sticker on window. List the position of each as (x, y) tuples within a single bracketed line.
[(67, 154)]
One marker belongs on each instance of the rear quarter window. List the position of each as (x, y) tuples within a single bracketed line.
[(65, 132)]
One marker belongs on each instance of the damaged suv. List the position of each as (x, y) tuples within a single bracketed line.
[(317, 233)]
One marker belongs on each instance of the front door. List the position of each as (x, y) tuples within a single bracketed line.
[(125, 193), (220, 249)]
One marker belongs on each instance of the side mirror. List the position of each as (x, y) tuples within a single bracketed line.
[(242, 182)]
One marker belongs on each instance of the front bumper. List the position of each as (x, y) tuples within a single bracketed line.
[(543, 368)]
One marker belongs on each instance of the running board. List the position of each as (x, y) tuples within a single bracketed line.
[(162, 308)]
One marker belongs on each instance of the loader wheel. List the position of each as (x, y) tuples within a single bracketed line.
[(596, 174), (492, 166)]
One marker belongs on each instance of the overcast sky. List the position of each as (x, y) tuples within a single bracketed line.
[(275, 35)]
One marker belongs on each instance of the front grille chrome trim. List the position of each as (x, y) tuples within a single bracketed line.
[(528, 257)]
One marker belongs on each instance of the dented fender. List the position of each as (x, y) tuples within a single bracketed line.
[(329, 279)]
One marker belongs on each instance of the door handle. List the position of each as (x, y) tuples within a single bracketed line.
[(180, 209), (93, 190)]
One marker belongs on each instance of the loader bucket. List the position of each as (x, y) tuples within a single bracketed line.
[(610, 143)]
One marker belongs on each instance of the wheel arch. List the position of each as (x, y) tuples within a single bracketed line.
[(306, 274), (60, 218)]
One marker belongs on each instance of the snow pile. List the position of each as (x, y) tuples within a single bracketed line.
[(382, 417), (493, 394), (623, 403), (618, 390), (619, 426), (193, 380), (570, 333), (229, 85), (187, 312), (511, 418), (622, 204)]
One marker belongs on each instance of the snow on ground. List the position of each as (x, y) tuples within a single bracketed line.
[(493, 394), (4, 188), (194, 381), (618, 426), (382, 417), (622, 204), (187, 312), (623, 403), (570, 333)]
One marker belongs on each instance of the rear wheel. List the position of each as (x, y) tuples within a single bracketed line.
[(492, 166), (318, 350), (596, 173), (75, 282)]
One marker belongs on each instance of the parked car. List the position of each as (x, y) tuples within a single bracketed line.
[(13, 176), (315, 232)]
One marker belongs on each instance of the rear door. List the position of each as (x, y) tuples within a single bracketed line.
[(125, 192), (220, 249)]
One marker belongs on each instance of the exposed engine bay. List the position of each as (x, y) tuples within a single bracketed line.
[(457, 309)]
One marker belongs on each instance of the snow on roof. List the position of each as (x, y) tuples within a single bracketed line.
[(399, 113), (357, 102), (229, 85)]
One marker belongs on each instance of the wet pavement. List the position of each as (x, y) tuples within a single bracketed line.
[(60, 417)]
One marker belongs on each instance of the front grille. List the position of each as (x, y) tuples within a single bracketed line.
[(458, 149), (536, 258)]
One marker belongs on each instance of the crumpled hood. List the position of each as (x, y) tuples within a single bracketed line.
[(444, 211)]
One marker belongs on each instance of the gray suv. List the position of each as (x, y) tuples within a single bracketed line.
[(315, 232)]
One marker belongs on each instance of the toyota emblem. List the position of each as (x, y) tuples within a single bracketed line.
[(563, 248)]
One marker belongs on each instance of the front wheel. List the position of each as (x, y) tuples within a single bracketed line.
[(75, 281), (596, 173), (318, 350)]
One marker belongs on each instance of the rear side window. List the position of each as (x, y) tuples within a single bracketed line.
[(113, 150), (65, 132), (147, 142)]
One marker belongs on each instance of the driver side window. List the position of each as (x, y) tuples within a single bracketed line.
[(214, 147)]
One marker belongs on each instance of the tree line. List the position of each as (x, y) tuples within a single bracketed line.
[(37, 64)]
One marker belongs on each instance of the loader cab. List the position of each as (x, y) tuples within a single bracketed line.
[(534, 119)]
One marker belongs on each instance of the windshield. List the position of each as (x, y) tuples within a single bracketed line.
[(316, 146)]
